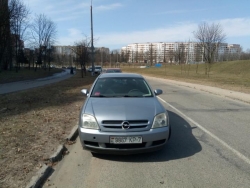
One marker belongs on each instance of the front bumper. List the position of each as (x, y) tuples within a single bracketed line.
[(97, 141)]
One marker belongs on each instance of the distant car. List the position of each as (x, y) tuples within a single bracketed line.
[(89, 69), (111, 70), (122, 115), (98, 69)]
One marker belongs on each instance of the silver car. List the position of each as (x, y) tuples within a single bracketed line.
[(122, 115)]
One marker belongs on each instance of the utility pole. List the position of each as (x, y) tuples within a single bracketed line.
[(92, 43), (116, 58), (110, 60), (102, 56), (151, 55)]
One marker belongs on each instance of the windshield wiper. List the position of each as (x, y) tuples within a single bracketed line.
[(132, 96), (99, 96)]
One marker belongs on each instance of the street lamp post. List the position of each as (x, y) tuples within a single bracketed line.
[(102, 56), (110, 60), (49, 49), (92, 43)]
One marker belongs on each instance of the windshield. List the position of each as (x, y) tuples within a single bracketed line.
[(121, 87)]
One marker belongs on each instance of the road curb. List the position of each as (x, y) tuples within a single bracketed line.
[(40, 177), (45, 171), (73, 134), (58, 155)]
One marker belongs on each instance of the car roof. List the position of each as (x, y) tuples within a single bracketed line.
[(131, 75)]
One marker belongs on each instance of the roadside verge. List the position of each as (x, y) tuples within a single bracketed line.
[(46, 170)]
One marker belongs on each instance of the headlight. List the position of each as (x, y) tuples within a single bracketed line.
[(89, 122), (160, 120)]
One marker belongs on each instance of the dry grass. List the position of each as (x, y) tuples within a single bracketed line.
[(33, 124), (234, 75)]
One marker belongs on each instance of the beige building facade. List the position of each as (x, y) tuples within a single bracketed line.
[(173, 52)]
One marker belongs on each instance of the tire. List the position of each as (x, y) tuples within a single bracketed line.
[(170, 132)]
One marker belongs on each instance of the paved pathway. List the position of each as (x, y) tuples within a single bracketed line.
[(23, 85)]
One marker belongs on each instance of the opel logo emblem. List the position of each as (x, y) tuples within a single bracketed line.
[(125, 125)]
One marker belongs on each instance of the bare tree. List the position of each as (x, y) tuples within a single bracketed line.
[(98, 55), (171, 56), (116, 57), (180, 53), (155, 56), (123, 58), (141, 56), (127, 55), (83, 52), (18, 24), (5, 43), (209, 38), (112, 57), (198, 58), (136, 54), (164, 53), (245, 55), (43, 33), (151, 54)]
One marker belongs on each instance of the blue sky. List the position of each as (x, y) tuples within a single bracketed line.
[(118, 23)]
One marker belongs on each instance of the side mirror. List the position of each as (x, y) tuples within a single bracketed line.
[(85, 92), (158, 92)]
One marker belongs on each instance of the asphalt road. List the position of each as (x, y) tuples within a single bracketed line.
[(209, 147)]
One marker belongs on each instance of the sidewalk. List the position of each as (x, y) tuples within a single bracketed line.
[(23, 85)]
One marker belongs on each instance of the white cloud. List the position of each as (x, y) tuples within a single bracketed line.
[(237, 27), (182, 11), (108, 7), (72, 36), (179, 32), (74, 32), (70, 9), (58, 10)]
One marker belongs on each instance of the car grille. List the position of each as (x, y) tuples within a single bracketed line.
[(124, 146), (117, 124)]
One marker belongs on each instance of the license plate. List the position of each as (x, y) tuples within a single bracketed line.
[(125, 139)]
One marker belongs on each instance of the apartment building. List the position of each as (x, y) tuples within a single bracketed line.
[(172, 52), (64, 50)]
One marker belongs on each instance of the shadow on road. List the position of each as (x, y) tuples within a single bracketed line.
[(182, 144)]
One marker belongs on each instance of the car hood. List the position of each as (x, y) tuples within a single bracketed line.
[(123, 108)]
